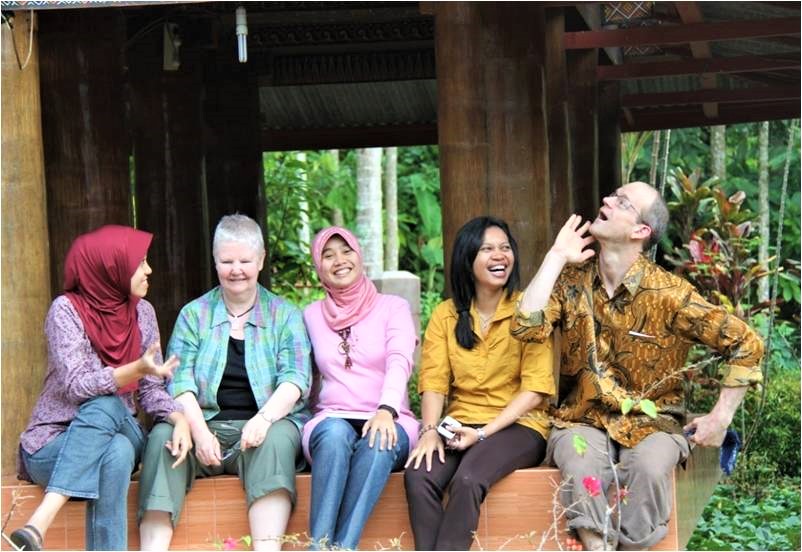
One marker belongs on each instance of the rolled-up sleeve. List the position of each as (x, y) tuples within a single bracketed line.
[(435, 368), (738, 344), (537, 368), (294, 363), (537, 326)]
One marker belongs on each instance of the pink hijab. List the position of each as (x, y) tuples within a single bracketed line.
[(343, 308)]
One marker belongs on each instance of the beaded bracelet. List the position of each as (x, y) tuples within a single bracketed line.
[(425, 429)]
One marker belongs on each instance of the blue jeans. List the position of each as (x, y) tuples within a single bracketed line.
[(347, 479), (93, 459)]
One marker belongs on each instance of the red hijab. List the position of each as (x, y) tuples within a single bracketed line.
[(343, 307), (97, 281)]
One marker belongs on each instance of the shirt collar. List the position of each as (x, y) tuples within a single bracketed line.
[(256, 317), (505, 308), (632, 278)]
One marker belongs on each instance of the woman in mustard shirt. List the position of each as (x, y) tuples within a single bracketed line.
[(496, 387)]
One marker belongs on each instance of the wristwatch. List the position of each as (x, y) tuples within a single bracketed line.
[(480, 432)]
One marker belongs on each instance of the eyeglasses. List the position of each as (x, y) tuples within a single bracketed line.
[(345, 347), (623, 202)]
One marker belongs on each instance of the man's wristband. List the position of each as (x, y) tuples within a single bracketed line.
[(389, 409)]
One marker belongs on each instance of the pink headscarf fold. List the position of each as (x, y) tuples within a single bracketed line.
[(343, 308), (97, 281)]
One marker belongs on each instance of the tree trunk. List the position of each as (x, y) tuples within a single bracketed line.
[(369, 208), (763, 207), (718, 152), (304, 233), (655, 157), (391, 209), (337, 218)]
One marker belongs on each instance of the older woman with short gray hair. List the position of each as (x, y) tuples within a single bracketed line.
[(244, 382)]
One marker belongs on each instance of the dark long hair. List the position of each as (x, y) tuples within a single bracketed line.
[(463, 286)]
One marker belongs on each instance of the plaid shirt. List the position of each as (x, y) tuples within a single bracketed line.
[(277, 350)]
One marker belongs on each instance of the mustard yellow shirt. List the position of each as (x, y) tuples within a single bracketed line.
[(479, 383)]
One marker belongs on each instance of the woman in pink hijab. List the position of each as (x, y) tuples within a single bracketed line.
[(363, 344)]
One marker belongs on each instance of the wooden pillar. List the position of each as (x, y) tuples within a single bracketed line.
[(560, 147), (492, 121), (26, 280), (232, 149), (583, 120), (85, 141), (461, 115), (168, 157), (609, 138)]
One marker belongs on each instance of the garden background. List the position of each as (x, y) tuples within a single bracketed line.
[(726, 189)]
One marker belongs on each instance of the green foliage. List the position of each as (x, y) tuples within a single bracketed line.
[(292, 188), (327, 185), (784, 343), (778, 432), (717, 253), (690, 148), (580, 444), (732, 522)]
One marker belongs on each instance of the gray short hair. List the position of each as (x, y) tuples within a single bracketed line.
[(240, 229), (656, 218)]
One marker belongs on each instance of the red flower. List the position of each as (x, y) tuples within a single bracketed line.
[(623, 493), (230, 543), (592, 485)]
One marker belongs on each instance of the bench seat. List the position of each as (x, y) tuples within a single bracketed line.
[(519, 505)]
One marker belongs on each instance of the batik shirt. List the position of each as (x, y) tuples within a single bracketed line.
[(634, 346)]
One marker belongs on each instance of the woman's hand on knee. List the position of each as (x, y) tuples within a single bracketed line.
[(254, 432), (181, 440), (207, 449), (381, 423), (428, 443)]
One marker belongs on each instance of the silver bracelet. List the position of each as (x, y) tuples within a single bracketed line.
[(265, 418)]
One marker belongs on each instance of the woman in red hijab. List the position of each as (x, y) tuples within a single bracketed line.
[(103, 351)]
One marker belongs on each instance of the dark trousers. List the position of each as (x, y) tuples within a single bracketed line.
[(468, 475)]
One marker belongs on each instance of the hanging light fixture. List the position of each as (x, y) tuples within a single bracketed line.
[(241, 30)]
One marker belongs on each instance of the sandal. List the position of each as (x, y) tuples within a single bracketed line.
[(27, 538)]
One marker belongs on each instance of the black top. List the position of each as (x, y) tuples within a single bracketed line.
[(234, 396)]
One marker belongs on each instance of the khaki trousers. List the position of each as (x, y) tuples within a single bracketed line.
[(645, 470)]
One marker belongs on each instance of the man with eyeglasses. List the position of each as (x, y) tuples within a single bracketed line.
[(627, 326)]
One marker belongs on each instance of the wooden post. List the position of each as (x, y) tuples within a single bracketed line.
[(461, 116), (83, 122), (492, 122), (583, 117), (560, 146), (26, 280), (168, 154), (609, 138), (232, 148)]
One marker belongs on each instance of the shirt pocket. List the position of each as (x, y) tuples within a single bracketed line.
[(467, 367)]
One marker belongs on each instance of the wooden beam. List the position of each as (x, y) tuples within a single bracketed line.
[(739, 64), (737, 95), (728, 114), (682, 34), (342, 138), (690, 12)]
